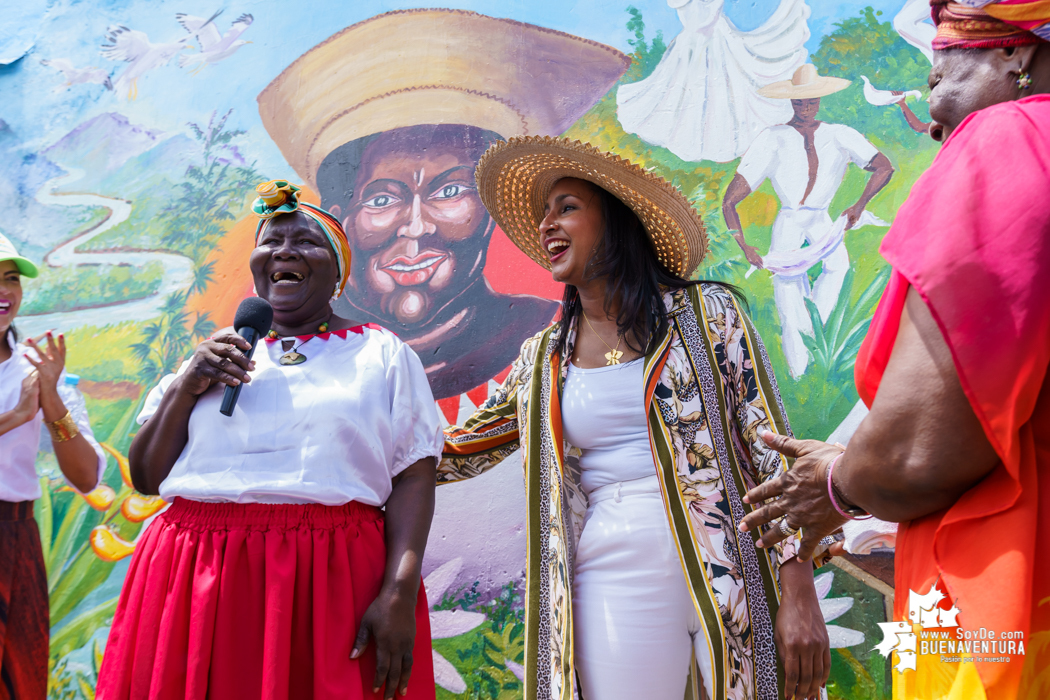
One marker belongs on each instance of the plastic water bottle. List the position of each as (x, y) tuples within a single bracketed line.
[(74, 402)]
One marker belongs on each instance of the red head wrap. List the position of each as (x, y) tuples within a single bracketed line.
[(980, 24)]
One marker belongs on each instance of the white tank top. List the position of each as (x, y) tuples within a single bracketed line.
[(603, 413)]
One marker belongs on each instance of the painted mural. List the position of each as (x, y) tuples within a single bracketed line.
[(132, 132)]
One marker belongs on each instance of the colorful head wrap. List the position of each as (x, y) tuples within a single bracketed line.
[(987, 24), (278, 197)]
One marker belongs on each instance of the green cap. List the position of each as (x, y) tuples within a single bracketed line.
[(8, 252)]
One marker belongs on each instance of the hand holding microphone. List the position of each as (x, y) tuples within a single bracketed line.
[(252, 321), (225, 358)]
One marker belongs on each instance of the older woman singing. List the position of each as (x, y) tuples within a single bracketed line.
[(956, 447), (638, 416), (275, 554)]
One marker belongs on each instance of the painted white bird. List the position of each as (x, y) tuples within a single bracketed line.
[(78, 76), (881, 98), (214, 47), (134, 47)]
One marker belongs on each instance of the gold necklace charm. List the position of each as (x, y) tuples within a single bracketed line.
[(613, 356), (297, 358)]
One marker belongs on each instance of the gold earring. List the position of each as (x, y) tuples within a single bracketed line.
[(1024, 80)]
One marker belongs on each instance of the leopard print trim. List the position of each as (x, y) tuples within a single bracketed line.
[(763, 648)]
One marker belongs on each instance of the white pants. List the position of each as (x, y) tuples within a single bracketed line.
[(635, 627), (791, 229)]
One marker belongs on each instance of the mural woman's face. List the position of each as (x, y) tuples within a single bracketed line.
[(418, 230), (10, 294)]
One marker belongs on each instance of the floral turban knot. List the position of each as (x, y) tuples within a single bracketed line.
[(278, 197), (989, 24)]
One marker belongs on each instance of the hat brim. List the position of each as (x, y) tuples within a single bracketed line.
[(25, 266), (821, 87), (515, 178)]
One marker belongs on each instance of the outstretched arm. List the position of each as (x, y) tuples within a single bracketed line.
[(881, 171), (913, 121), (737, 191), (492, 433), (902, 463)]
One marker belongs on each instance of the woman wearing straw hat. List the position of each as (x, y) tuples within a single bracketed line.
[(638, 416), (33, 393), (805, 160)]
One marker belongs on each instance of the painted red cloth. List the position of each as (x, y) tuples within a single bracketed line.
[(231, 600), (973, 239), (24, 615)]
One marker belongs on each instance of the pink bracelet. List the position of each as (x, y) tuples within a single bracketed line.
[(853, 513)]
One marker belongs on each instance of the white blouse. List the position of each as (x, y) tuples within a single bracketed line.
[(603, 413), (334, 429), (18, 447)]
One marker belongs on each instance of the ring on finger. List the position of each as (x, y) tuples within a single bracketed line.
[(785, 529)]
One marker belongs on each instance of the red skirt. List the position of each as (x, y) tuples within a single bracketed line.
[(23, 605), (226, 600)]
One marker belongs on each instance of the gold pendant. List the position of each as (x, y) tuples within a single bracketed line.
[(293, 358), (613, 357)]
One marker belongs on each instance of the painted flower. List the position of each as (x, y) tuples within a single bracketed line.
[(831, 608), (448, 623)]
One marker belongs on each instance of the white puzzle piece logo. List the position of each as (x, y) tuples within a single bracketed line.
[(900, 636)]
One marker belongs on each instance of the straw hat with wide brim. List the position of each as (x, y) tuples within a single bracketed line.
[(515, 177), (432, 66), (805, 84)]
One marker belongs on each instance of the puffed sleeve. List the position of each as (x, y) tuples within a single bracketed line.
[(152, 403), (74, 403), (415, 428)]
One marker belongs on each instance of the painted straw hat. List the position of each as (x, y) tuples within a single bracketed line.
[(805, 84), (433, 66), (515, 177)]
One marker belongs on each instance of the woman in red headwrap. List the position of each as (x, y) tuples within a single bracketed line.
[(288, 565), (954, 369)]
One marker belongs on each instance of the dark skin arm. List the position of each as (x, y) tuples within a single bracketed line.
[(736, 193), (391, 619), (917, 452), (800, 634), (881, 171), (913, 120), (159, 442)]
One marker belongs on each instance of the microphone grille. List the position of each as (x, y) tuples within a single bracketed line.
[(255, 313)]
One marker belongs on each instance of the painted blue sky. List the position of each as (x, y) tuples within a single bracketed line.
[(169, 97)]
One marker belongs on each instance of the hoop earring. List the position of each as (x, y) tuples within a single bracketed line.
[(1024, 80)]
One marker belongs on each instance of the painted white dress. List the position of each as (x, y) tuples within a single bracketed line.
[(701, 101)]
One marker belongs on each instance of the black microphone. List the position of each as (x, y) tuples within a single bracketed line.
[(252, 321)]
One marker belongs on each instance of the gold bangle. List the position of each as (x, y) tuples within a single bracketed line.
[(63, 429)]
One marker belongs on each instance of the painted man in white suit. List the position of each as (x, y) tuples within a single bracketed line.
[(806, 161)]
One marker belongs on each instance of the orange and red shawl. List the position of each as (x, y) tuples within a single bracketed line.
[(973, 239)]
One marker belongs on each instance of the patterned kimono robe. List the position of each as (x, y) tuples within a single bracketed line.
[(709, 388)]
